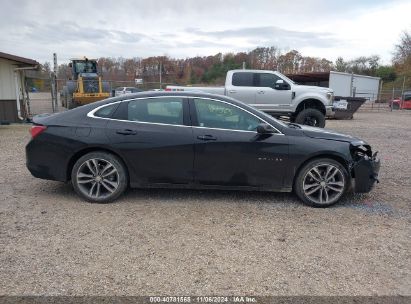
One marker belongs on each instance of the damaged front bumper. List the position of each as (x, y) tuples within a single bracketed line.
[(364, 169)]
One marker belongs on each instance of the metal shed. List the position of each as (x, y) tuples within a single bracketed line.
[(13, 95)]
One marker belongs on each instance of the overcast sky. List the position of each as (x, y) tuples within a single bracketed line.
[(95, 28)]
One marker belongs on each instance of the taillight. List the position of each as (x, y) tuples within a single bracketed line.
[(36, 130)]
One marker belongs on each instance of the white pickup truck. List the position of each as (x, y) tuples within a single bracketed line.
[(274, 93)]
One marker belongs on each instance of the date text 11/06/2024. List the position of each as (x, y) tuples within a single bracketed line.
[(203, 299)]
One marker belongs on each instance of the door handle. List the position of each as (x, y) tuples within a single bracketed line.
[(126, 132), (206, 137), (261, 92), (232, 91)]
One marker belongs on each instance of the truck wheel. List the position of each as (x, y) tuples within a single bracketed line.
[(64, 97), (71, 104), (106, 87), (311, 117)]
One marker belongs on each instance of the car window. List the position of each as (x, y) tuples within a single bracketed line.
[(215, 114), (243, 79), (267, 80), (157, 110), (106, 112)]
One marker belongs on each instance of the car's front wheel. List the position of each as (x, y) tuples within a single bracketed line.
[(321, 182), (99, 177)]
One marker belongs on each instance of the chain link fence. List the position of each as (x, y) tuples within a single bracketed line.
[(382, 101), (40, 95)]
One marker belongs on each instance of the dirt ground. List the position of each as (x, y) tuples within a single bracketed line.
[(158, 242)]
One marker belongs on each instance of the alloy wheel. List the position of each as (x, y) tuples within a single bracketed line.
[(97, 178), (324, 184)]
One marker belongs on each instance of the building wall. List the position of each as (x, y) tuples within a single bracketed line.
[(8, 106), (8, 111), (7, 84)]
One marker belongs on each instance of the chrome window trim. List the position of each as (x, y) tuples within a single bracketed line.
[(91, 114)]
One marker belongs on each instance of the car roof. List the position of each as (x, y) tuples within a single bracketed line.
[(74, 113), (168, 93), (186, 94)]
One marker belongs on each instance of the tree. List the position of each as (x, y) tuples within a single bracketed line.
[(361, 65), (387, 73), (340, 65), (402, 52)]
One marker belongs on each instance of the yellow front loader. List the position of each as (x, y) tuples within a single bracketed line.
[(86, 85)]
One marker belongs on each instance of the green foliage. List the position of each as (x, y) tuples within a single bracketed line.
[(387, 73), (340, 65), (219, 70)]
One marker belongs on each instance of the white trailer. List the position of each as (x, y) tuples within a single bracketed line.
[(353, 85)]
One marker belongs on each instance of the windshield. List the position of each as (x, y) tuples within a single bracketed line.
[(407, 97), (86, 67), (270, 117), (287, 79)]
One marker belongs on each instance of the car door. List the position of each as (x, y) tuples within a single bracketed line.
[(155, 138), (242, 87), (270, 96), (229, 152)]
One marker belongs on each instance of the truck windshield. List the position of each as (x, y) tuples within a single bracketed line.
[(86, 67), (287, 79), (407, 97)]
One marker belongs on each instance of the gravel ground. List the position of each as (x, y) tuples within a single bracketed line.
[(179, 242), (40, 102)]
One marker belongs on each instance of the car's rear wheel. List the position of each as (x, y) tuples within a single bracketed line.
[(99, 177), (321, 182)]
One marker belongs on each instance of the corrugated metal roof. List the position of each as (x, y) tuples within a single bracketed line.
[(310, 77)]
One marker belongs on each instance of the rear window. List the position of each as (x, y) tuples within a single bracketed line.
[(107, 111), (165, 110), (243, 79)]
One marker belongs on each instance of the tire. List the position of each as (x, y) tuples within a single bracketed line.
[(70, 103), (63, 97), (106, 87), (309, 180), (311, 117), (103, 185)]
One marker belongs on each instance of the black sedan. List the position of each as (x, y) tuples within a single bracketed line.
[(194, 140)]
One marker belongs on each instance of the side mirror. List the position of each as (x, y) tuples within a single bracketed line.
[(281, 85), (264, 128)]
